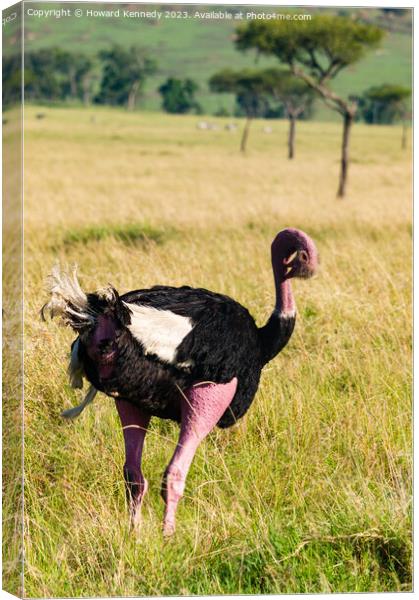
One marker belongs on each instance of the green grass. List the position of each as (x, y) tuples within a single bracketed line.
[(198, 48), (133, 233), (311, 491)]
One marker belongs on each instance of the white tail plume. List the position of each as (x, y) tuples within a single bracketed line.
[(72, 413), (68, 300)]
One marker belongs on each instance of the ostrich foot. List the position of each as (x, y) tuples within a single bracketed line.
[(136, 488), (168, 529), (171, 492), (135, 508)]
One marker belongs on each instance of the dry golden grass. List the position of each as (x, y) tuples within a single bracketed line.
[(311, 491)]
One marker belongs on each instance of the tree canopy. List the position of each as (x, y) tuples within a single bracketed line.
[(315, 50), (12, 80), (53, 74), (124, 75), (294, 94), (179, 96), (252, 88), (388, 92), (384, 103)]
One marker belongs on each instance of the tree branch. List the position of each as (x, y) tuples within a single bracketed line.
[(331, 99), (315, 65)]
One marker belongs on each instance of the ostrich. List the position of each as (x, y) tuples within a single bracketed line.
[(190, 355)]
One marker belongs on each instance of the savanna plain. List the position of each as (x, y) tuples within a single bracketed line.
[(311, 490)]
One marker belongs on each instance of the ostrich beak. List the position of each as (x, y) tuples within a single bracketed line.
[(290, 258)]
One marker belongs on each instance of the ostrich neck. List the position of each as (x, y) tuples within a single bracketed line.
[(278, 330), (284, 303)]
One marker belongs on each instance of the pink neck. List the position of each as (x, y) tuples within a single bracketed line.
[(284, 298), (284, 304)]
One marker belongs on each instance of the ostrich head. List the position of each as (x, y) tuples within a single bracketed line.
[(293, 255), (111, 317)]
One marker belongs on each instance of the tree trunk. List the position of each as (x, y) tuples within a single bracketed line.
[(245, 135), (73, 83), (86, 97), (133, 95), (85, 84), (404, 135), (344, 162), (291, 136)]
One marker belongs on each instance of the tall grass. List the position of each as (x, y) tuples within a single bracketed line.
[(311, 491)]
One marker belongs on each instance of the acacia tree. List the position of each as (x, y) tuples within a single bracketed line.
[(251, 87), (295, 96), (386, 103), (179, 96), (51, 74), (43, 75), (76, 69), (12, 80), (316, 51), (124, 75)]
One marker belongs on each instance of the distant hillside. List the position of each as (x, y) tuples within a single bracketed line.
[(197, 48)]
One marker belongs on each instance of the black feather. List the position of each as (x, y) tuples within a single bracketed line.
[(223, 343)]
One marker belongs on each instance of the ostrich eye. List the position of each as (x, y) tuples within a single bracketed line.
[(304, 256)]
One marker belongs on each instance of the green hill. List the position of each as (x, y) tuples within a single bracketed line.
[(196, 48)]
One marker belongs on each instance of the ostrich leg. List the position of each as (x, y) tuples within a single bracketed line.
[(134, 425), (202, 407)]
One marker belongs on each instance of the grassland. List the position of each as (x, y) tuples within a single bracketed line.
[(170, 41), (311, 491)]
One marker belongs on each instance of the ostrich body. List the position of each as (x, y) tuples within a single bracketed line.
[(184, 354)]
